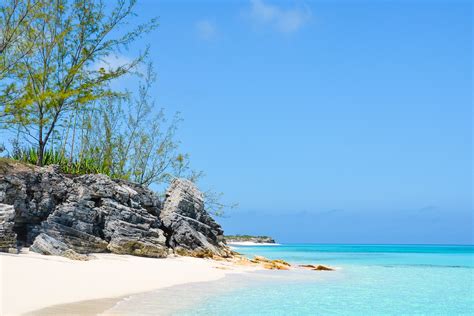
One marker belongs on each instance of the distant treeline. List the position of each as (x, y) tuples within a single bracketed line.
[(257, 239)]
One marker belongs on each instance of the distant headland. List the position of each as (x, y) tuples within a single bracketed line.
[(249, 240)]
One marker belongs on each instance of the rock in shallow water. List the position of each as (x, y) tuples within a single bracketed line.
[(318, 267)]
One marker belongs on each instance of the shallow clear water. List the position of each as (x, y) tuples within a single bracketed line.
[(372, 280)]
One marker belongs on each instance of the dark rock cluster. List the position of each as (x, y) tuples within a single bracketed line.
[(189, 228), (56, 214)]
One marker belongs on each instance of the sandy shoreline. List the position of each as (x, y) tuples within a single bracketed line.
[(30, 282)]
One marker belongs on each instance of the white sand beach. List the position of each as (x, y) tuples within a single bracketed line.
[(31, 281)]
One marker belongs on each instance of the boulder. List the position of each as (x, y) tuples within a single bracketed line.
[(47, 245), (323, 268), (316, 267), (191, 230)]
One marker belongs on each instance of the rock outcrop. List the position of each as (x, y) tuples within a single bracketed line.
[(191, 230), (271, 264), (7, 234), (71, 216)]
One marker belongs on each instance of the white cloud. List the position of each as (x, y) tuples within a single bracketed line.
[(206, 30), (285, 20)]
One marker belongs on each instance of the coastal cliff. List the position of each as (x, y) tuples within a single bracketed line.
[(57, 214)]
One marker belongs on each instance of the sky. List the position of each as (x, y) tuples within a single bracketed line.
[(327, 121)]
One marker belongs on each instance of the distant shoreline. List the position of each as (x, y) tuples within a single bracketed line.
[(249, 240), (251, 243)]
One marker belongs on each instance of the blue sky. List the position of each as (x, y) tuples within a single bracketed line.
[(327, 121)]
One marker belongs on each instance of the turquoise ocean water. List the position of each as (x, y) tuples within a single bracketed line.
[(371, 280)]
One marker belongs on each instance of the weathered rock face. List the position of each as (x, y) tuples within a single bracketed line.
[(102, 215), (7, 234), (48, 245), (70, 216), (34, 194), (191, 229)]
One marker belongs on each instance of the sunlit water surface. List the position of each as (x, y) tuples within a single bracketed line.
[(370, 280)]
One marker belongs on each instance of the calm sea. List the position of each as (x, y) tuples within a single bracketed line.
[(370, 280)]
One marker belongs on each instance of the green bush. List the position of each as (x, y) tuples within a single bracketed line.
[(56, 157)]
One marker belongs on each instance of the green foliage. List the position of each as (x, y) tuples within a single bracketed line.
[(51, 157), (14, 21), (58, 100), (122, 137), (213, 202), (132, 139), (57, 74)]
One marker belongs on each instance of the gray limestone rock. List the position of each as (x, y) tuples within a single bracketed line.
[(64, 215), (7, 223), (191, 230), (47, 245)]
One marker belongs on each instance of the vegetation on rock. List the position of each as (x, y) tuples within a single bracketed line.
[(58, 61), (54, 214)]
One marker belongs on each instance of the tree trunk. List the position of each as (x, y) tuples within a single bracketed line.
[(41, 144), (39, 160), (71, 156), (40, 153)]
